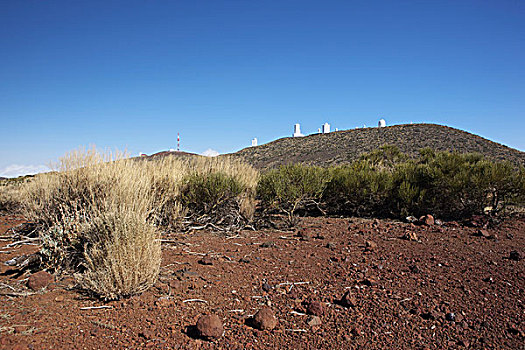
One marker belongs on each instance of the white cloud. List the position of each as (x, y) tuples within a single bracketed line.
[(210, 153), (16, 170)]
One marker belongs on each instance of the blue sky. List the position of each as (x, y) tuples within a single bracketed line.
[(131, 74)]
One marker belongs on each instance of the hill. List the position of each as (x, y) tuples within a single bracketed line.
[(345, 146)]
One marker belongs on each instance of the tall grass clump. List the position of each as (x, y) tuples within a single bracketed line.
[(292, 188), (9, 197), (94, 216)]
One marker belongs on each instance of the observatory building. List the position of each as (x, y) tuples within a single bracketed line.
[(326, 128), (381, 123), (254, 142), (297, 130)]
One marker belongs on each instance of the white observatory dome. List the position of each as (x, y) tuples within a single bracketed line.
[(382, 123)]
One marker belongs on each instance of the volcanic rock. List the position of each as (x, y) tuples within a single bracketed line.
[(314, 307), (426, 220), (265, 319), (371, 245), (348, 300), (210, 327), (40, 280), (410, 236), (266, 287), (483, 233), (206, 260), (313, 321), (515, 255)]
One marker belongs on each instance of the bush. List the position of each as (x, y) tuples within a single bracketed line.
[(100, 214), (359, 189), (219, 191), (122, 255), (293, 187), (94, 217), (387, 183), (9, 197)]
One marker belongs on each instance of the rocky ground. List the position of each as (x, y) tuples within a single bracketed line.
[(330, 284)]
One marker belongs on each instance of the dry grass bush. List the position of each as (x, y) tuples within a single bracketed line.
[(165, 176), (94, 214), (10, 197), (122, 254), (100, 214)]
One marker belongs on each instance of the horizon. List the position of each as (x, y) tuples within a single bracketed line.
[(213, 153), (131, 75)]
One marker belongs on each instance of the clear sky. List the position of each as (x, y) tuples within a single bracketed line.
[(131, 74)]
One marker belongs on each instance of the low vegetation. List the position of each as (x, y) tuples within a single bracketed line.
[(386, 183), (101, 215)]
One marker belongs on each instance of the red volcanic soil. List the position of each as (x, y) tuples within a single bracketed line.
[(449, 288)]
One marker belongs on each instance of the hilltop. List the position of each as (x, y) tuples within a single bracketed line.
[(346, 146)]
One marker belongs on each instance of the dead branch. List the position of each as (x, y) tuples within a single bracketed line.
[(96, 307), (25, 241)]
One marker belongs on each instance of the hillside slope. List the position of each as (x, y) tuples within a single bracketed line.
[(345, 146)]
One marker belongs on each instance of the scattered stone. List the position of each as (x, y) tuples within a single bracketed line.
[(266, 287), (515, 255), (426, 220), (313, 321), (59, 298), (414, 269), (245, 260), (315, 308), (371, 245), (348, 300), (331, 245), (206, 260), (450, 317), (40, 280), (356, 331), (370, 282), (147, 334), (319, 236), (267, 245), (483, 233), (410, 236), (304, 234), (411, 219), (265, 319), (210, 327)]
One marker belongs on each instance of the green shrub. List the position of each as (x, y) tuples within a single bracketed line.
[(388, 183), (293, 187), (359, 189), (453, 185)]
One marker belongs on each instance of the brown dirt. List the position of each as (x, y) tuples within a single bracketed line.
[(402, 289)]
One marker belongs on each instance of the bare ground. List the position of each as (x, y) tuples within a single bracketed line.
[(404, 291)]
